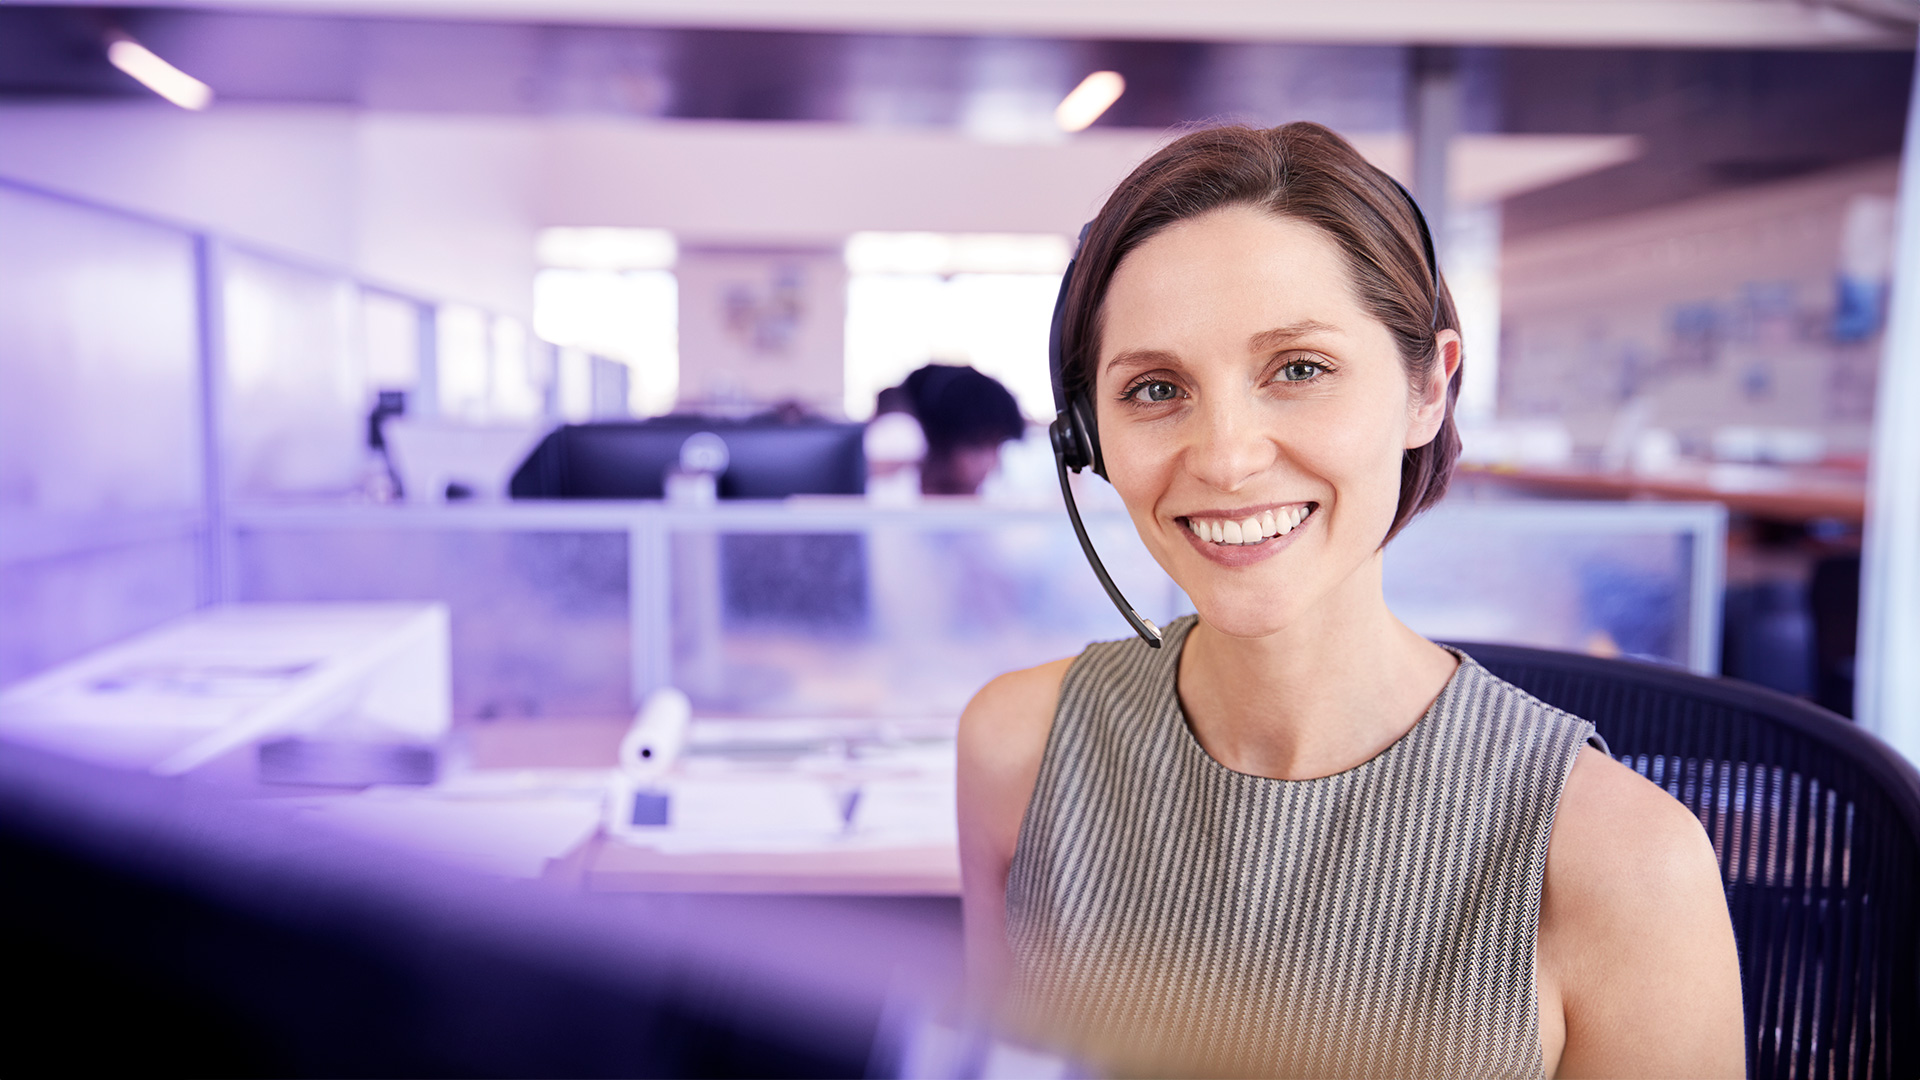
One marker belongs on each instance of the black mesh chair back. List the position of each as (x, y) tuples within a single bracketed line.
[(1817, 826)]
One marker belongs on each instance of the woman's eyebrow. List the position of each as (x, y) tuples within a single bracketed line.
[(1141, 358), (1281, 335)]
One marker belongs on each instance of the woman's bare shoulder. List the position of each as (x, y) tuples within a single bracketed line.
[(1003, 736), (1003, 732), (1635, 933)]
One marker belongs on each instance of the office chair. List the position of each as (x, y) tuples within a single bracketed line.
[(1817, 827)]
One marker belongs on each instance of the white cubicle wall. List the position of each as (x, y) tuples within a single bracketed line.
[(832, 608)]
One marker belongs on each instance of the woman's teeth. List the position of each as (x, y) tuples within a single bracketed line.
[(1257, 529)]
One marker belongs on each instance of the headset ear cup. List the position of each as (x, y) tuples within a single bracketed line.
[(1068, 446), (1088, 435)]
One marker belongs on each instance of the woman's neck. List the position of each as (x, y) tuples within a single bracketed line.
[(1318, 697)]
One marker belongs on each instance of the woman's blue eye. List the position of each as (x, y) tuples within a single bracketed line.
[(1299, 371), (1156, 391)]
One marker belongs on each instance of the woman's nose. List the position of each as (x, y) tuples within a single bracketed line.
[(1230, 447)]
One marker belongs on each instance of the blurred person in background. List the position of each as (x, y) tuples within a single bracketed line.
[(965, 415), (1298, 838)]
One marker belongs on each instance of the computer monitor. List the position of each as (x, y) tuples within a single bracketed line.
[(629, 459)]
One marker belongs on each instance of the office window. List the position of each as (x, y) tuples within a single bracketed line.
[(980, 299), (612, 293)]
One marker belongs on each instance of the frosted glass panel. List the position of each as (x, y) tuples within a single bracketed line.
[(296, 400), (99, 361), (539, 618), (896, 619), (829, 608), (1603, 579), (100, 445), (59, 608)]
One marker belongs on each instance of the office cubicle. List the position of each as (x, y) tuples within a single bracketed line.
[(154, 374), (829, 607), (207, 444)]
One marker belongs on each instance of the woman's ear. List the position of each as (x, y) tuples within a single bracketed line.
[(1430, 396)]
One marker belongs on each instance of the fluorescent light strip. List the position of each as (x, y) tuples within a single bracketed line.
[(1095, 95), (156, 74)]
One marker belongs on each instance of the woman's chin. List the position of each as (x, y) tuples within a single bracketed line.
[(1242, 616)]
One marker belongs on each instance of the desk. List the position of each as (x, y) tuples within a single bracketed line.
[(612, 866), (606, 865), (1773, 492)]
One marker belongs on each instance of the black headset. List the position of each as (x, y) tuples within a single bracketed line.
[(1076, 435)]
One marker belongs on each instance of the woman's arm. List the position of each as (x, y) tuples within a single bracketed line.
[(1003, 735), (1638, 973)]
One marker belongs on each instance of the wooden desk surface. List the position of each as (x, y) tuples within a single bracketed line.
[(1778, 493), (605, 864), (614, 866)]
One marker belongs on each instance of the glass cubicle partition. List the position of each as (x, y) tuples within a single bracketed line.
[(1638, 579), (102, 522), (833, 608)]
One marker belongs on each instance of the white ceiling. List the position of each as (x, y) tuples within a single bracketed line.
[(1675, 23)]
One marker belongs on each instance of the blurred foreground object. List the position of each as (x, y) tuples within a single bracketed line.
[(162, 930), (174, 699)]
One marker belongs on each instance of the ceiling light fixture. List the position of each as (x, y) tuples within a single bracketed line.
[(1095, 95), (156, 74)]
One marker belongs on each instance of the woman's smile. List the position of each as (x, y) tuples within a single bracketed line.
[(1245, 537)]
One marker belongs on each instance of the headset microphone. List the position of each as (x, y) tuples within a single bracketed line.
[(1076, 446)]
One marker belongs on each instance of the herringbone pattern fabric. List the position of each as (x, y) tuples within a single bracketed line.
[(1166, 913)]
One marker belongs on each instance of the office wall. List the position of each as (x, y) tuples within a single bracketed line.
[(281, 176), (1743, 309), (444, 206), (101, 524), (790, 182), (760, 325), (447, 204), (428, 205)]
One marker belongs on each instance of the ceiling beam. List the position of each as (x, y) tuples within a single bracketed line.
[(1733, 24)]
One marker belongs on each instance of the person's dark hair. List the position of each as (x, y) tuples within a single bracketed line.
[(1305, 172), (959, 406)]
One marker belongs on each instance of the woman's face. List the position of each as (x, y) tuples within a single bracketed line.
[(1253, 415)]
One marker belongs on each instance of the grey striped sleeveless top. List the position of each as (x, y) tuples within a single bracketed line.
[(1166, 913)]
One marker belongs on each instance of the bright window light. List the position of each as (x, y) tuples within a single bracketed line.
[(607, 249), (517, 390), (629, 316), (984, 299), (996, 322), (1095, 95), (156, 74), (957, 253), (464, 362)]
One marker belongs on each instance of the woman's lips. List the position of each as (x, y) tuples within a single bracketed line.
[(1227, 540)]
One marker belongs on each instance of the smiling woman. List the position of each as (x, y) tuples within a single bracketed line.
[(1300, 839)]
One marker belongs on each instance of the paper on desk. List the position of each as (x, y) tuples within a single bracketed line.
[(915, 812), (505, 821), (709, 815)]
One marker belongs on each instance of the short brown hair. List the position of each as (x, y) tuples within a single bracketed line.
[(1305, 172)]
